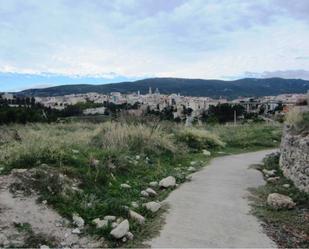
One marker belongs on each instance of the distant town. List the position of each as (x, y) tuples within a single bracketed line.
[(155, 101)]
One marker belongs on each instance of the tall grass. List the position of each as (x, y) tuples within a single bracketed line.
[(298, 120), (199, 138), (137, 138), (44, 143)]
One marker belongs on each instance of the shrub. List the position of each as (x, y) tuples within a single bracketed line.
[(298, 120), (135, 138), (199, 138)]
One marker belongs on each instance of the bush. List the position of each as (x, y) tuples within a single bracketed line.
[(298, 120), (199, 139), (135, 138)]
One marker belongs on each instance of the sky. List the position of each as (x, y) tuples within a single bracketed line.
[(44, 43)]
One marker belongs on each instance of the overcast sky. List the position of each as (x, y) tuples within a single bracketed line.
[(130, 39)]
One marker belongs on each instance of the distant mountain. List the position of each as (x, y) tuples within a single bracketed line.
[(188, 87)]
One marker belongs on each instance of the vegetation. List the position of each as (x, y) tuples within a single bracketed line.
[(289, 228), (222, 113), (248, 136), (298, 120), (79, 167)]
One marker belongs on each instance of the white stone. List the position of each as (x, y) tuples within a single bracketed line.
[(286, 185), (76, 231), (279, 201), (137, 217), (191, 169), (152, 206), (193, 163), (137, 157), (269, 173), (100, 223), (153, 184), (134, 204), (121, 230), (114, 224), (124, 185), (167, 182), (273, 179), (151, 192), (130, 236), (206, 152), (119, 220), (144, 193), (110, 218), (78, 221), (44, 247)]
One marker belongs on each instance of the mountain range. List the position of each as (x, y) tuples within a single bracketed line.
[(188, 87)]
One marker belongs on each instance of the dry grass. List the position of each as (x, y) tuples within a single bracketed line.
[(43, 143), (298, 120), (199, 138), (134, 137)]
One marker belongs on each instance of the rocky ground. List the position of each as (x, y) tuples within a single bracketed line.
[(26, 222)]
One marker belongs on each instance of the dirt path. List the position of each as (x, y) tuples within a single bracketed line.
[(16, 210), (212, 210)]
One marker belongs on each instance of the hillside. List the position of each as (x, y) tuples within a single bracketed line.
[(189, 87)]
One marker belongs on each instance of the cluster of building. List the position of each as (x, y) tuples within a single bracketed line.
[(153, 100)]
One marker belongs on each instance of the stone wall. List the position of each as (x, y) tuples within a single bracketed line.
[(294, 159)]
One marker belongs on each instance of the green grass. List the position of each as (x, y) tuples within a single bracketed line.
[(289, 228), (133, 153)]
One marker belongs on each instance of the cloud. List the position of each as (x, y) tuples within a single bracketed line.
[(288, 74), (195, 38)]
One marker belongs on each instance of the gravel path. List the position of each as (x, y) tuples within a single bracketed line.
[(213, 209)]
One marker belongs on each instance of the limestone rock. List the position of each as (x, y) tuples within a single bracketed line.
[(191, 169), (110, 218), (168, 182), (78, 221), (130, 236), (269, 173), (144, 193), (206, 152), (151, 192), (134, 204), (286, 185), (152, 206), (273, 179), (121, 230), (124, 185), (100, 223), (279, 201), (153, 184), (136, 216), (76, 231)]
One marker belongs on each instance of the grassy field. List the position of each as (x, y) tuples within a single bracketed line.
[(97, 158), (288, 227)]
